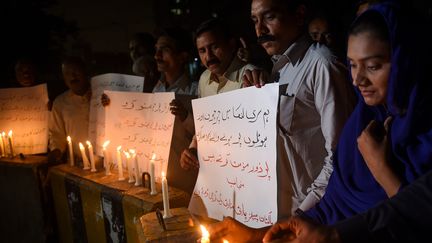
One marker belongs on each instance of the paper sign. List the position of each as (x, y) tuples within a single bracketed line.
[(142, 122), (25, 112), (236, 134), (109, 81)]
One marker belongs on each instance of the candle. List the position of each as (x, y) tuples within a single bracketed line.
[(205, 235), (4, 143), (71, 155), (106, 159), (92, 160), (152, 175), (165, 197), (129, 166), (138, 179), (84, 157), (10, 139), (2, 147), (120, 164)]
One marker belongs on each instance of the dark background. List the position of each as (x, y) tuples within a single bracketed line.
[(99, 30)]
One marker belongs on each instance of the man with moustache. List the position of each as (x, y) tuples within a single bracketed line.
[(217, 49), (316, 98), (70, 111)]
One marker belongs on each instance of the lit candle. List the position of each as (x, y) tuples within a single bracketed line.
[(106, 159), (71, 155), (152, 175), (2, 147), (165, 197), (84, 157), (92, 160), (120, 164), (4, 143), (129, 166), (138, 179), (205, 235), (10, 139)]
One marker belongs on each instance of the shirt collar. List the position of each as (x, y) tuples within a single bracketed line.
[(231, 72), (295, 51), (86, 97), (182, 82)]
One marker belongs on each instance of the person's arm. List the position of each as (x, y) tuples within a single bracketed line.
[(406, 217), (57, 135), (334, 102)]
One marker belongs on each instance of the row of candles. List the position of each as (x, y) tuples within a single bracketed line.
[(6, 144), (130, 155)]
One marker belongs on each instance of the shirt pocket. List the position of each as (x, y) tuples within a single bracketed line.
[(286, 113)]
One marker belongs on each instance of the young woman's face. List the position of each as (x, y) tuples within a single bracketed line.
[(369, 59)]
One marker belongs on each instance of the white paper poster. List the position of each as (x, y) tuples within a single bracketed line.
[(236, 134), (109, 81), (25, 112), (142, 122)]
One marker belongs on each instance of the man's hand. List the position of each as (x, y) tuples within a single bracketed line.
[(189, 159), (255, 77), (233, 231), (105, 100), (177, 109), (298, 230), (374, 147)]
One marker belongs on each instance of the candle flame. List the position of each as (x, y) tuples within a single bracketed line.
[(132, 151), (205, 235), (10, 133), (163, 174), (225, 241), (127, 154), (119, 148), (88, 143), (106, 143), (153, 156), (81, 146), (69, 139)]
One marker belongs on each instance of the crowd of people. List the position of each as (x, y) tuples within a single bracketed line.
[(354, 138)]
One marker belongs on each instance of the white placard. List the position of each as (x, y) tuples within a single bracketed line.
[(143, 122), (109, 81), (236, 133), (25, 112)]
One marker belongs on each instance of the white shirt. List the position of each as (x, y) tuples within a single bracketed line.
[(69, 117), (232, 79), (316, 99)]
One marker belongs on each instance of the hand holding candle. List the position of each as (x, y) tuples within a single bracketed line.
[(165, 197), (71, 155), (106, 159), (152, 176), (120, 164), (92, 160), (86, 162)]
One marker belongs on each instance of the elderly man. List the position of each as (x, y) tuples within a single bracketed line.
[(70, 112)]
